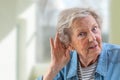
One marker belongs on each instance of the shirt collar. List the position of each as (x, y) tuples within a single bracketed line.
[(102, 62), (100, 69), (72, 70)]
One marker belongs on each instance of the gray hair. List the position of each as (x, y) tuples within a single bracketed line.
[(66, 19)]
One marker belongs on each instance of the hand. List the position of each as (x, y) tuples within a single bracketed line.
[(59, 58), (59, 54)]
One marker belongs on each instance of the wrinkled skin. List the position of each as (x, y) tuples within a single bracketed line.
[(86, 39)]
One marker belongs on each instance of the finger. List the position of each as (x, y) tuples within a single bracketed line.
[(59, 43), (52, 44), (55, 42)]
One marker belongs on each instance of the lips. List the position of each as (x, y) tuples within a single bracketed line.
[(92, 47)]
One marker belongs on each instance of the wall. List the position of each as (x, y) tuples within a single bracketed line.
[(114, 22), (13, 39), (8, 40), (7, 17)]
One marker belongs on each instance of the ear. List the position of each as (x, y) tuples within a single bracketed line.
[(70, 47)]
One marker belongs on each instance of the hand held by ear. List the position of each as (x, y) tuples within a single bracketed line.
[(59, 58)]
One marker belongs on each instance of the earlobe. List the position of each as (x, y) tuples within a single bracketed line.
[(70, 47)]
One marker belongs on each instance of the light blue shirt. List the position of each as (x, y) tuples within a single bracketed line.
[(108, 67)]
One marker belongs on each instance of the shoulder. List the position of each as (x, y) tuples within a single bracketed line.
[(109, 46), (113, 52)]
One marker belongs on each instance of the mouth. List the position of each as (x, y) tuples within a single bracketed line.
[(93, 47)]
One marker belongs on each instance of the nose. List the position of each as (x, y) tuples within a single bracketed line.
[(91, 37)]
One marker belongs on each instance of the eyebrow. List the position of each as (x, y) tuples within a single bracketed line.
[(78, 30), (83, 28)]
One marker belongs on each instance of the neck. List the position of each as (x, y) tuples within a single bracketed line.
[(87, 61)]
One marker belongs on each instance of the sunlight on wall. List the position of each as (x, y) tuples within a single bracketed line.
[(29, 17), (8, 57)]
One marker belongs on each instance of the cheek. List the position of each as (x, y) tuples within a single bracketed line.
[(99, 38), (84, 44)]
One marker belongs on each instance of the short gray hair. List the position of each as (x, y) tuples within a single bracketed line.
[(66, 18)]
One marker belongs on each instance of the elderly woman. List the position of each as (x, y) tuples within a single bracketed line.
[(77, 53)]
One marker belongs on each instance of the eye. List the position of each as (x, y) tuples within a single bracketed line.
[(94, 29), (82, 34)]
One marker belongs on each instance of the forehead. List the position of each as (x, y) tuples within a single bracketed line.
[(84, 22)]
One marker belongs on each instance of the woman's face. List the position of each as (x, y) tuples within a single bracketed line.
[(86, 37)]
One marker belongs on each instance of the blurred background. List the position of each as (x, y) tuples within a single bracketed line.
[(27, 25)]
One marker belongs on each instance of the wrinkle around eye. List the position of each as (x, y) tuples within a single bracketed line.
[(82, 34)]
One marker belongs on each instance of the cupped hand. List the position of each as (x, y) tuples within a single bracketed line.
[(59, 54)]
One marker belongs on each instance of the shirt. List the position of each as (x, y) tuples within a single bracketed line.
[(86, 73), (108, 67)]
